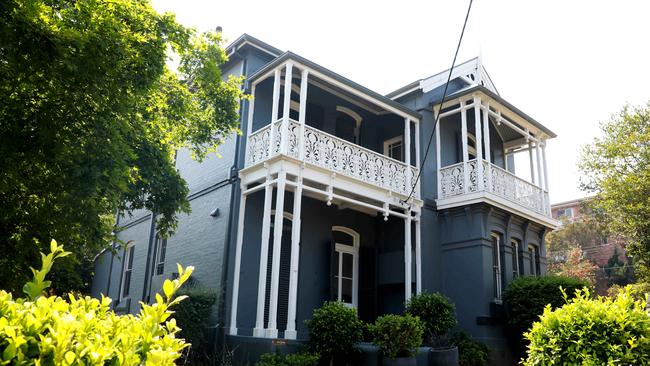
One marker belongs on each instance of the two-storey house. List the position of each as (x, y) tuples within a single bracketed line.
[(334, 191)]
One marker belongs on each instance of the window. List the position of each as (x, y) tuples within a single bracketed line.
[(127, 269), (532, 253), (393, 148), (161, 250), (515, 258), (345, 265), (496, 266), (564, 212)]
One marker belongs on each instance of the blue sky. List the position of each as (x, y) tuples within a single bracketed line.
[(568, 64)]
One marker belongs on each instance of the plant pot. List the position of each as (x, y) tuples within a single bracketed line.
[(447, 356), (399, 361)]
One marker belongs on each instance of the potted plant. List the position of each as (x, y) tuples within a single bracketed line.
[(398, 337), (334, 331), (438, 315)]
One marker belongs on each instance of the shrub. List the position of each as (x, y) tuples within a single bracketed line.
[(294, 359), (83, 331), (470, 352), (526, 297), (334, 330), (437, 313), (592, 332), (397, 335), (637, 290), (192, 316)]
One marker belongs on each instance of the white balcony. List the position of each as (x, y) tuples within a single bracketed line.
[(320, 149), (498, 184)]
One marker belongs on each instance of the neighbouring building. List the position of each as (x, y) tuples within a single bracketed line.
[(327, 194)]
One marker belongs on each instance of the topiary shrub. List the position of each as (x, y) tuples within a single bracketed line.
[(470, 352), (586, 331), (397, 335), (526, 297), (192, 316), (334, 331), (294, 359), (41, 330), (436, 312)]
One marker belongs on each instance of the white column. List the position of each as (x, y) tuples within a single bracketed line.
[(290, 332), (463, 137), (538, 155), (272, 330), (407, 257), (417, 152), (418, 256), (436, 111), (533, 179), (286, 108), (545, 168), (274, 109), (486, 140), (259, 331), (235, 279), (303, 112), (407, 151), (479, 140)]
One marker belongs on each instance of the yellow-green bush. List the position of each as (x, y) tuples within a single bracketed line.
[(41, 330), (586, 331)]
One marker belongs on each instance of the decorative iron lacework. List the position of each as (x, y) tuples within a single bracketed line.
[(495, 180), (333, 153)]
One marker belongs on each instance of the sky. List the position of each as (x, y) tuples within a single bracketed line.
[(569, 64)]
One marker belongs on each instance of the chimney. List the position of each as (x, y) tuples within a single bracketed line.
[(219, 29)]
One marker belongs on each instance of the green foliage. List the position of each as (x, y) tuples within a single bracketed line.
[(587, 232), (638, 291), (334, 330), (397, 335), (91, 119), (470, 352), (586, 331), (616, 167), (192, 316), (294, 359), (437, 313), (84, 331)]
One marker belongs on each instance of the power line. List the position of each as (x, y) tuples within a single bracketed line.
[(444, 95)]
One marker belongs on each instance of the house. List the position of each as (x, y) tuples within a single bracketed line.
[(327, 194)]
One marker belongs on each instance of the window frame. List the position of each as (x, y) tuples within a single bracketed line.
[(392, 141), (127, 268), (340, 249), (533, 253), (160, 242), (516, 257), (496, 269)]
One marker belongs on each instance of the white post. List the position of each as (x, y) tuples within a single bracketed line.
[(486, 139), (407, 257), (235, 279), (286, 109), (259, 330), (545, 168), (303, 112), (274, 109), (249, 124), (479, 140), (418, 256), (290, 332), (533, 179), (407, 152), (272, 330), (463, 121), (538, 155), (436, 111), (417, 152)]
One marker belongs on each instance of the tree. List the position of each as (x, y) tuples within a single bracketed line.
[(91, 116), (616, 167), (575, 266), (586, 232)]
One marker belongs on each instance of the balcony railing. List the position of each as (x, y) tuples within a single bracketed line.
[(332, 153), (497, 181)]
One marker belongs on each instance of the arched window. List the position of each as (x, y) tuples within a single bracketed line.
[(345, 265)]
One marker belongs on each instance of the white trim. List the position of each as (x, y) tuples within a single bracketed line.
[(532, 259), (418, 255), (479, 141), (125, 262), (436, 111), (238, 248), (354, 251), (408, 283), (159, 243), (498, 285), (272, 329), (290, 332), (302, 113), (515, 243), (259, 330), (407, 151), (392, 141), (463, 121)]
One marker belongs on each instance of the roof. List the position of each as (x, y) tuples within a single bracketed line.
[(570, 203), (499, 100), (245, 39), (288, 55)]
